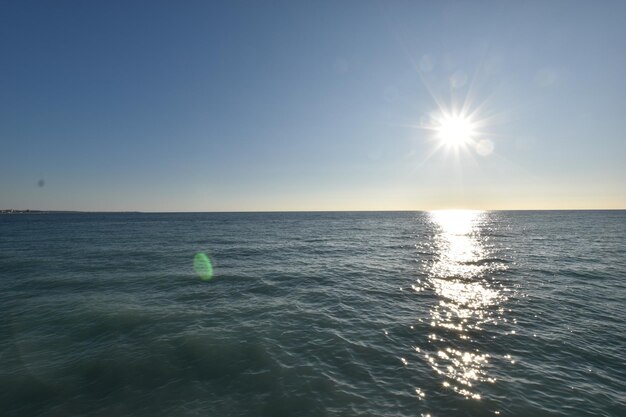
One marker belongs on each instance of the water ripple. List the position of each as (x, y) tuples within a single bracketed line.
[(314, 314)]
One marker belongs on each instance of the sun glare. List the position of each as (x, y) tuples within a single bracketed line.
[(454, 130), (459, 127)]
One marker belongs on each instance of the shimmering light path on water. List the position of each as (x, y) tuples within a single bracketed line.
[(313, 314), (469, 299)]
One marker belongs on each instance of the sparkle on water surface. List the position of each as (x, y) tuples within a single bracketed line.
[(466, 301)]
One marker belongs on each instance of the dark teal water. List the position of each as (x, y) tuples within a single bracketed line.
[(314, 314)]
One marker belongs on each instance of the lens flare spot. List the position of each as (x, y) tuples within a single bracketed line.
[(484, 147), (202, 266)]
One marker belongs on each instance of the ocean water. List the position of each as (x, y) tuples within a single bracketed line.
[(314, 314)]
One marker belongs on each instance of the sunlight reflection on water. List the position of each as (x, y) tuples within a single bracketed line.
[(466, 300)]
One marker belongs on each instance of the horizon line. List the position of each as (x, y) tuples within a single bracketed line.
[(34, 211)]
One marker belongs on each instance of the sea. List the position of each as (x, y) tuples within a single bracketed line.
[(444, 313)]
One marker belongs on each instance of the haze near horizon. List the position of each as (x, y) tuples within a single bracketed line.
[(322, 106)]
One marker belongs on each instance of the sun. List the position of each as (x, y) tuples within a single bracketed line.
[(454, 130), (459, 129)]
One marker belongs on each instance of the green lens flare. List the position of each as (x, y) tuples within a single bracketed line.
[(202, 266)]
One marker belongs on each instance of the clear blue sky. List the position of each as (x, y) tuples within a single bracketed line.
[(207, 106)]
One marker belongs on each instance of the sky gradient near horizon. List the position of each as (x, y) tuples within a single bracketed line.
[(244, 106)]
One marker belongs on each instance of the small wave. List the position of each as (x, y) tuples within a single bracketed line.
[(486, 261)]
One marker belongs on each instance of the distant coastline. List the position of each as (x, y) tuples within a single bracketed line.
[(28, 211), (13, 211)]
